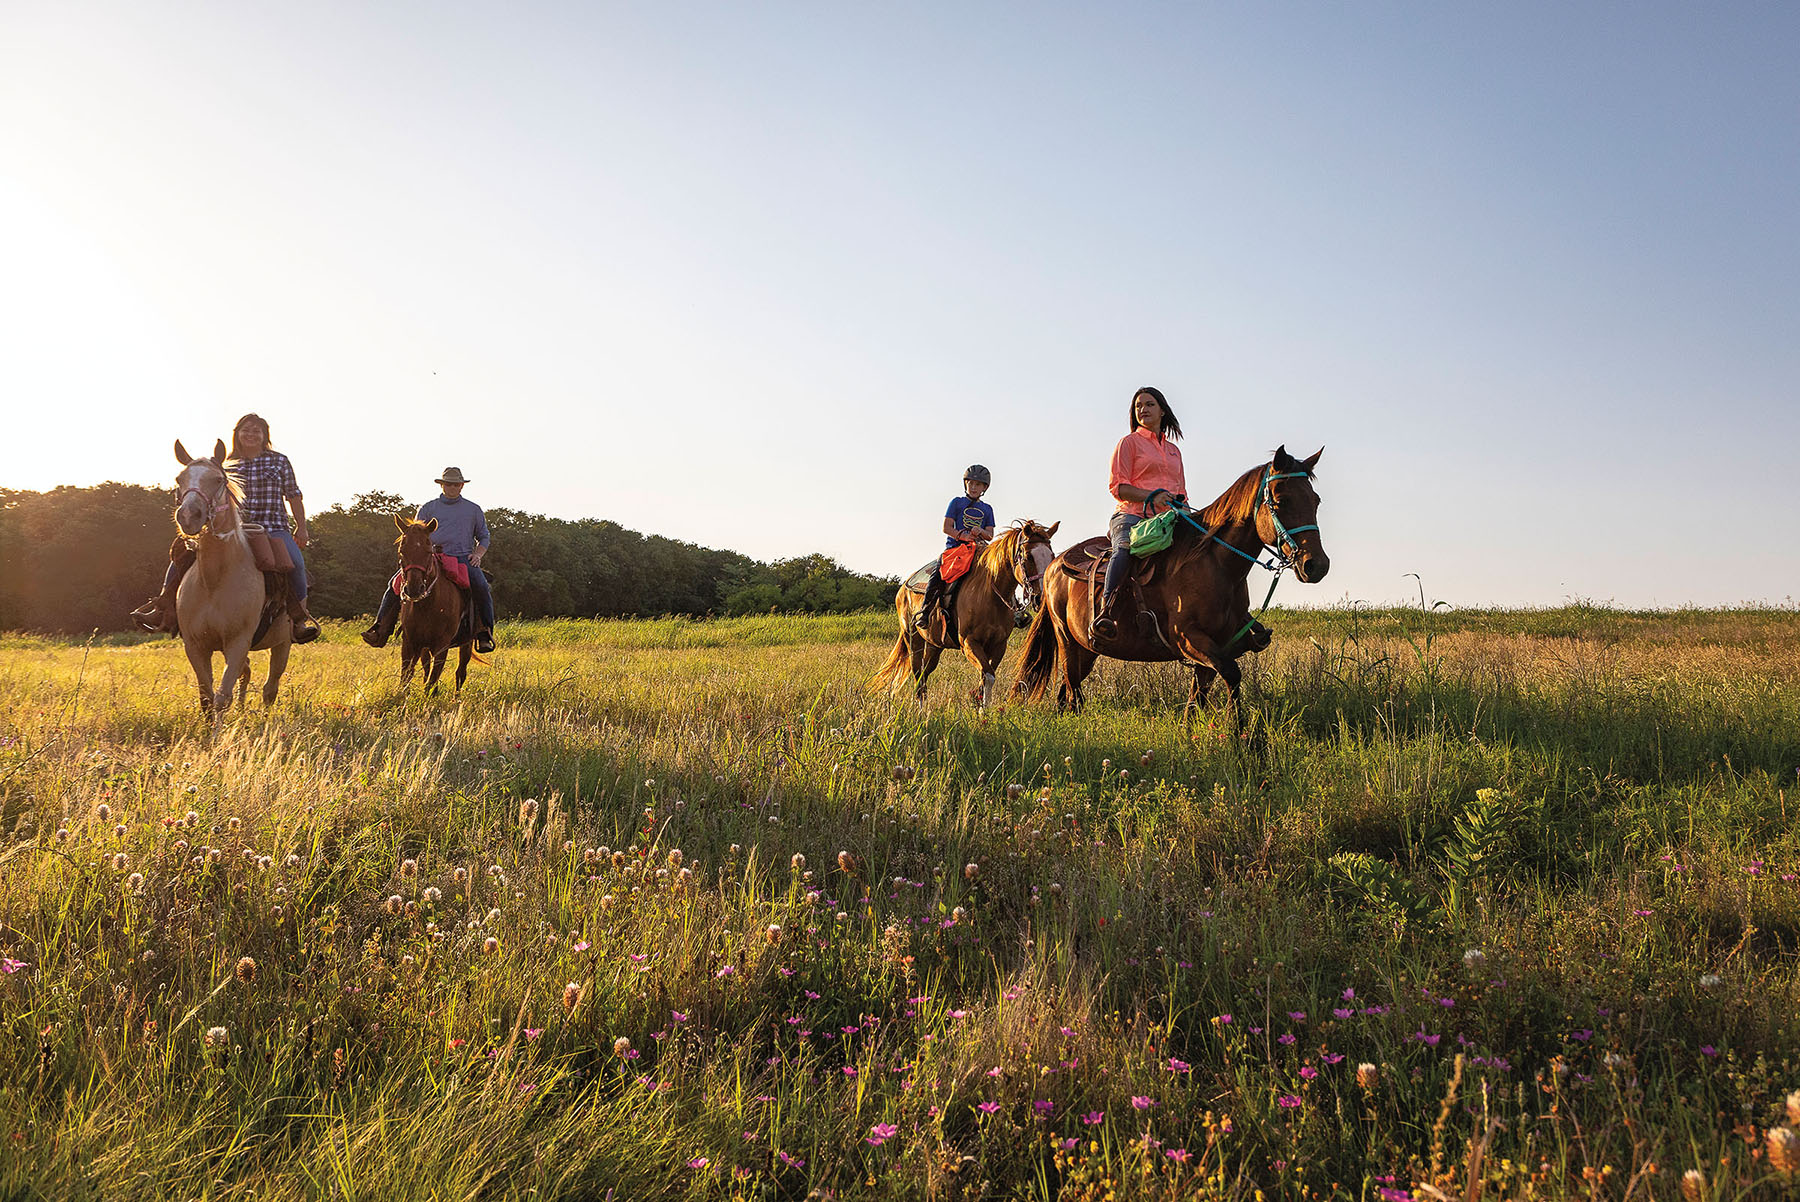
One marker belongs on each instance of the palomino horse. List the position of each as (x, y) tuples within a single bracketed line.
[(986, 613), (221, 604), (431, 608), (1194, 594)]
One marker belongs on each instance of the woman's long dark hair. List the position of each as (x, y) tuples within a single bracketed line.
[(1170, 427), (269, 446)]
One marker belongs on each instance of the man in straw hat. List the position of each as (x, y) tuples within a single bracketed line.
[(462, 534)]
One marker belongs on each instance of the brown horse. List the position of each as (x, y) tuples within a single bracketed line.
[(222, 605), (1195, 597), (986, 611), (431, 608)]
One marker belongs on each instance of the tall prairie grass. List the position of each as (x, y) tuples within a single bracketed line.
[(1487, 904)]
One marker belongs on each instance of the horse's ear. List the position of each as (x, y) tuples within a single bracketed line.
[(1282, 458), (181, 455), (400, 523), (218, 450), (1312, 461), (1050, 530), (431, 525)]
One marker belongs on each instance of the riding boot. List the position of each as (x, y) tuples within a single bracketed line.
[(1105, 627), (383, 627), (305, 629), (484, 641), (158, 613)]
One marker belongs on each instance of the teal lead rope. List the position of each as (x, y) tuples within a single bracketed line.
[(1284, 535)]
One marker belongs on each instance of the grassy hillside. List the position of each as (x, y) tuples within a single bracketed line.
[(675, 909)]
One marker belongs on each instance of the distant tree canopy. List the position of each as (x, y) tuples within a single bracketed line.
[(79, 559)]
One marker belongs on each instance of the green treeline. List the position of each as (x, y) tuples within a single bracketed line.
[(79, 559)]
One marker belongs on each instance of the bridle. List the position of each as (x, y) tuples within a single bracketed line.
[(1286, 547), (212, 502), (431, 574), (1031, 582)]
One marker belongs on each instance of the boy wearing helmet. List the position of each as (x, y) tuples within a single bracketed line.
[(969, 520)]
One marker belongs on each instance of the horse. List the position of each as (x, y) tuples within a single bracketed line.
[(431, 618), (986, 613), (1195, 596), (222, 604)]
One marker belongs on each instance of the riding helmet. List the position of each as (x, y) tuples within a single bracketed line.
[(978, 474)]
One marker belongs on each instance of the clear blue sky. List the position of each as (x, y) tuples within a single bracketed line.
[(769, 276)]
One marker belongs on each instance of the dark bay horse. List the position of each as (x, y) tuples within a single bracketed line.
[(431, 608), (1194, 596), (222, 605), (986, 611)]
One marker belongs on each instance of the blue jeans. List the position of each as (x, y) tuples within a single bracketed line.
[(1118, 529), (297, 577), (478, 587)]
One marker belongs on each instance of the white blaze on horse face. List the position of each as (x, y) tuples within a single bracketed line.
[(191, 512)]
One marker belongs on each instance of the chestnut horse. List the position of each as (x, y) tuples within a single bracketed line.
[(986, 611), (1195, 596), (431, 608), (221, 599)]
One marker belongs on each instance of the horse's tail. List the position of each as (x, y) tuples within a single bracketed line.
[(888, 676), (1039, 663)]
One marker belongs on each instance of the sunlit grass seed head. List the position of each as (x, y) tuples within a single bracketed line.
[(245, 970), (1783, 1147), (103, 812)]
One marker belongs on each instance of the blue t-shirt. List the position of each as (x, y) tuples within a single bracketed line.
[(968, 515)]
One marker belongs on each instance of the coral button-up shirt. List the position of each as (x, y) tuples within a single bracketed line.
[(1147, 461)]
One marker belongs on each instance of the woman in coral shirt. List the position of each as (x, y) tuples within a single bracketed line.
[(1146, 463)]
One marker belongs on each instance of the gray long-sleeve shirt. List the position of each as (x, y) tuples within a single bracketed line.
[(460, 524)]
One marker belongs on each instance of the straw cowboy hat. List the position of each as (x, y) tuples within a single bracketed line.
[(452, 475)]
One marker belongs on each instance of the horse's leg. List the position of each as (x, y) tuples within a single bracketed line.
[(1080, 662), (435, 668), (1207, 657), (201, 662), (927, 663), (409, 656), (278, 658), (244, 684), (1203, 678), (464, 654), (237, 662)]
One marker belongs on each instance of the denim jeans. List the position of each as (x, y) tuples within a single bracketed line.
[(297, 577), (1118, 528)]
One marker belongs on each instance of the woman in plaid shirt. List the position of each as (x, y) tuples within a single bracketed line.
[(270, 490)]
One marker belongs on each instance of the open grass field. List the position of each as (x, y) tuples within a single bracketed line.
[(1497, 905)]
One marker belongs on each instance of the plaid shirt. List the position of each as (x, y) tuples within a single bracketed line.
[(267, 480)]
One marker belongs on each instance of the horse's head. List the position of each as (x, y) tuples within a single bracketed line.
[(1287, 514), (1031, 555), (201, 486), (418, 556)]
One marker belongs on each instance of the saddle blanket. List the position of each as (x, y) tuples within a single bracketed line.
[(455, 570)]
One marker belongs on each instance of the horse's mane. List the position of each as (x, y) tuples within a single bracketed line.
[(996, 557), (1237, 503)]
